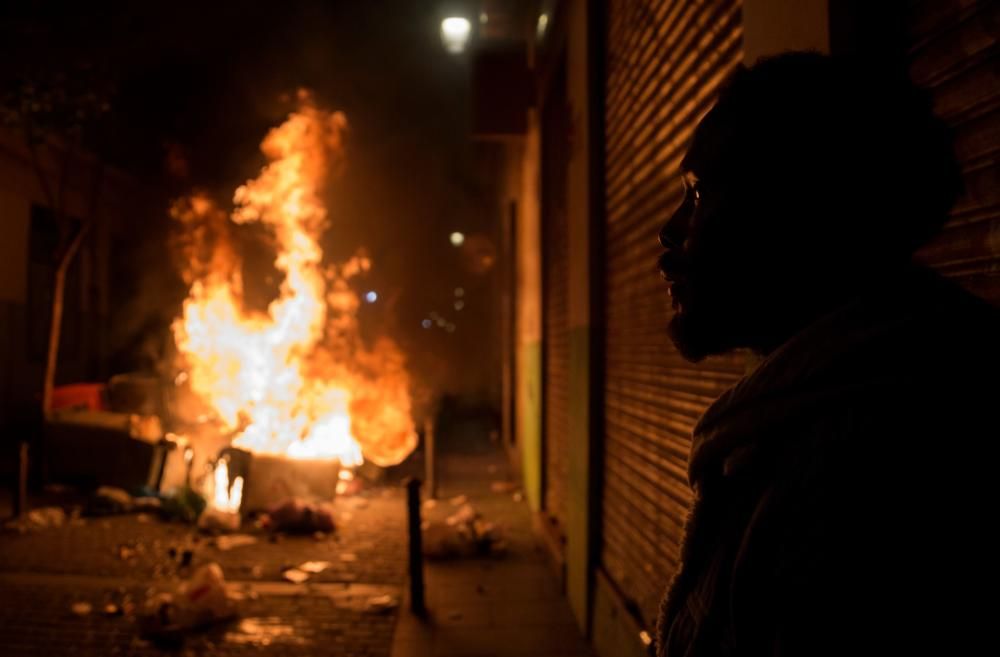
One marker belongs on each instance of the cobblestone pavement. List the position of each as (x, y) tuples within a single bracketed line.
[(508, 606), (108, 560)]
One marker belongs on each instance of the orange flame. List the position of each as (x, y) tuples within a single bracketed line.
[(297, 379), (221, 496)]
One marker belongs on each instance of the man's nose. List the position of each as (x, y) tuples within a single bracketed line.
[(675, 231)]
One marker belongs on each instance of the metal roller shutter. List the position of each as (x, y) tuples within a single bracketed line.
[(953, 52), (555, 225), (666, 59)]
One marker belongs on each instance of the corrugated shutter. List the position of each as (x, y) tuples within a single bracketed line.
[(555, 225), (666, 59), (954, 47)]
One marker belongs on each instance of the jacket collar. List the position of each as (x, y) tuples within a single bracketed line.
[(853, 351)]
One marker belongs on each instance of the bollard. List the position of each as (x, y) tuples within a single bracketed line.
[(21, 495), (417, 605), (430, 472), (188, 463)]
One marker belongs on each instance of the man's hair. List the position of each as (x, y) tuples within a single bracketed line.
[(862, 142)]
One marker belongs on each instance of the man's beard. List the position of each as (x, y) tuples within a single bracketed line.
[(697, 337)]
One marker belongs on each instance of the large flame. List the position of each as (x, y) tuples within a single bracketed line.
[(297, 379)]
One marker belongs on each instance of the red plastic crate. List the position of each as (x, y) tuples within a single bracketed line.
[(92, 396)]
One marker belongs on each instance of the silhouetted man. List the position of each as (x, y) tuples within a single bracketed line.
[(844, 490)]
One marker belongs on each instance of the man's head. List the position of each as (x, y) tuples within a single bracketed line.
[(808, 176)]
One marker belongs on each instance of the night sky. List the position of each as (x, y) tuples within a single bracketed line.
[(193, 87)]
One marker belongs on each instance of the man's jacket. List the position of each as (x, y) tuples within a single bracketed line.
[(845, 490)]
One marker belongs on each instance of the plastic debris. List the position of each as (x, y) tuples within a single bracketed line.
[(464, 515), (194, 604), (463, 534), (107, 501), (299, 517), (226, 543), (147, 504), (314, 567), (43, 518), (81, 608), (459, 500), (127, 551), (503, 486), (295, 576), (381, 604), (443, 542), (246, 592), (185, 505)]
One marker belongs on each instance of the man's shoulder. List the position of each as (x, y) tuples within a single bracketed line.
[(936, 330), (946, 299)]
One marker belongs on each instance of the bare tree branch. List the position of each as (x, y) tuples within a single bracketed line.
[(67, 162), (36, 164), (65, 259)]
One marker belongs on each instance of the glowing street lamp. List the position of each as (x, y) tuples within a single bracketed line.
[(543, 24), (455, 32)]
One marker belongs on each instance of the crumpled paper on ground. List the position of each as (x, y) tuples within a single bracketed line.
[(191, 605)]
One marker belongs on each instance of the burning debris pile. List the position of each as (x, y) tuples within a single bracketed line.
[(296, 381)]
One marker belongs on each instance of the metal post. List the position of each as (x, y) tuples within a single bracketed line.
[(188, 464), (21, 495), (416, 548), (430, 467)]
